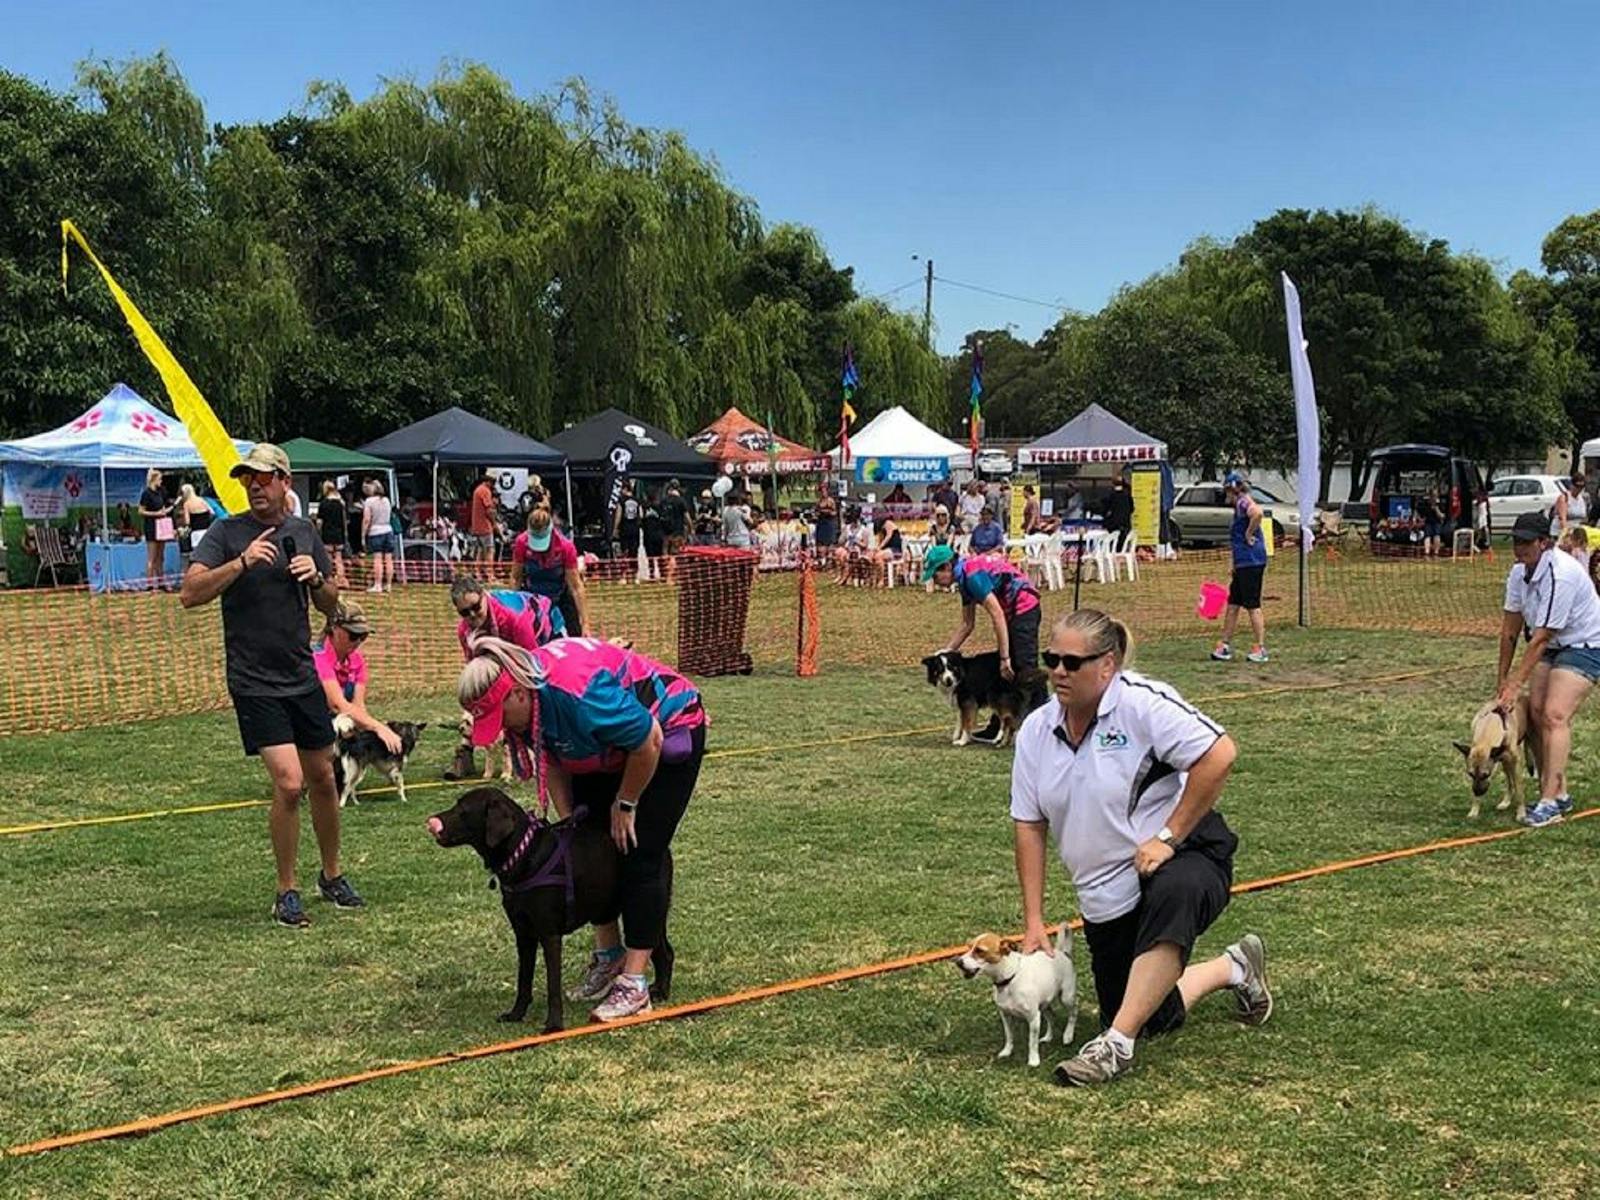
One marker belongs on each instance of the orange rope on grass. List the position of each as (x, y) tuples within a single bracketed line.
[(710, 1004)]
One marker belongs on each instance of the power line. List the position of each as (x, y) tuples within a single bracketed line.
[(893, 290), (972, 287)]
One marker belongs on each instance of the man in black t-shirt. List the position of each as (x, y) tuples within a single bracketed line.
[(268, 568), (674, 511)]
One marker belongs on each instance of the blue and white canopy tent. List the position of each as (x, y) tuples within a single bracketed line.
[(113, 443)]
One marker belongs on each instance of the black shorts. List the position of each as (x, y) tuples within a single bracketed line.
[(1176, 904), (302, 721), (1245, 590)]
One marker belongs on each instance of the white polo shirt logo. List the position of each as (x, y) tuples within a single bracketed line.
[(1104, 797)]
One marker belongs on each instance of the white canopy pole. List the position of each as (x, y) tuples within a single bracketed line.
[(105, 517)]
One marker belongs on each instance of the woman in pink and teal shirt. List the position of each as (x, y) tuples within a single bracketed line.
[(1004, 591), (521, 618), (602, 727)]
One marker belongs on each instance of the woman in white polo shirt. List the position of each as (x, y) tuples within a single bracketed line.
[(1123, 776), (1550, 599)]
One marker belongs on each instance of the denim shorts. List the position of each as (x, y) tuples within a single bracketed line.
[(1580, 660), (380, 543)]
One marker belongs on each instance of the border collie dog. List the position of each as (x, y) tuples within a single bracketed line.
[(355, 750), (972, 682)]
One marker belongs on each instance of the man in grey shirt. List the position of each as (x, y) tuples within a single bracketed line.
[(269, 567)]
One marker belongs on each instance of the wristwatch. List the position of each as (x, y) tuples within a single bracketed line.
[(627, 806), (1165, 836)]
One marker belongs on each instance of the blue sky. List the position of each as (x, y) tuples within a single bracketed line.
[(1051, 151)]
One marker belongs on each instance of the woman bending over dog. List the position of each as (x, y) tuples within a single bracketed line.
[(1150, 877), (618, 734)]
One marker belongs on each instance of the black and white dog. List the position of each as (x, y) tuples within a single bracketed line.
[(972, 682), (355, 750)]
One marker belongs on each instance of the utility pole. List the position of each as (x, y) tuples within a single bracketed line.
[(927, 309)]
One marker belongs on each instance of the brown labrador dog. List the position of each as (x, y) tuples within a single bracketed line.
[(552, 879)]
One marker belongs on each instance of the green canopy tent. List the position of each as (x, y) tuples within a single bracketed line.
[(310, 457)]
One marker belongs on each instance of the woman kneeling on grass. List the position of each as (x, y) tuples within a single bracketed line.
[(342, 671), (622, 736), (1150, 876)]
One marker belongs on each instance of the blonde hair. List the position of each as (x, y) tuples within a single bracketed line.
[(186, 491), (152, 477), (1105, 634), (1575, 538), (492, 657), (329, 488)]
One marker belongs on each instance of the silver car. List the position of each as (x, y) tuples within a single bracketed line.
[(1201, 514)]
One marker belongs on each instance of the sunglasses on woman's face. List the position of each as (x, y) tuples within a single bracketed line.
[(1068, 662), (470, 610)]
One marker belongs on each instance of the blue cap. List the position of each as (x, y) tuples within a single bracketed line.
[(1233, 479)]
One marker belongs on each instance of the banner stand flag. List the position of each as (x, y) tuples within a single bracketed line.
[(1305, 411), (216, 448), (1309, 434), (849, 382)]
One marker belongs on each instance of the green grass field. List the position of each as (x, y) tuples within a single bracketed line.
[(1438, 1027)]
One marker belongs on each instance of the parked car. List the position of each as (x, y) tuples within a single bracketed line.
[(1403, 475), (1512, 495), (994, 462), (1201, 514)]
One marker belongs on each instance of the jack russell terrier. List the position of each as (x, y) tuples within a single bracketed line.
[(1025, 985)]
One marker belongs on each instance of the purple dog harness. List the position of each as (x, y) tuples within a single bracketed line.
[(555, 871)]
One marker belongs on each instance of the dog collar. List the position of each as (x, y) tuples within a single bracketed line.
[(1000, 983)]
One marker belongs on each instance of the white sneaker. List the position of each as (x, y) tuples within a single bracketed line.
[(375, 588), (629, 996)]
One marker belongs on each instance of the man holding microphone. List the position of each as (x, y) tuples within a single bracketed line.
[(268, 567)]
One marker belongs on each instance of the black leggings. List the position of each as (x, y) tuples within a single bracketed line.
[(1023, 634), (644, 885)]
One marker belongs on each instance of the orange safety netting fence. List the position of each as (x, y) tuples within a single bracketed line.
[(73, 659)]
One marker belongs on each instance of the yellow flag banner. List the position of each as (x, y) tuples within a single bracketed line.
[(216, 449)]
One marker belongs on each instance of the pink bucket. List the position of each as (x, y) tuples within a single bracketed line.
[(1213, 599)]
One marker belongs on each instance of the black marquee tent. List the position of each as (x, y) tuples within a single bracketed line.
[(656, 453), (456, 437)]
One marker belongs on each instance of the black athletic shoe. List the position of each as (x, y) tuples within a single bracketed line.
[(286, 910), (339, 892)]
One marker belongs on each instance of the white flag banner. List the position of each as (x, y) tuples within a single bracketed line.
[(1305, 412)]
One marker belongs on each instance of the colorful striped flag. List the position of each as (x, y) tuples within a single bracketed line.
[(975, 423), (850, 381)]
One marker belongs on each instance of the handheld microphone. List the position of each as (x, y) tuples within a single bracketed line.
[(288, 555)]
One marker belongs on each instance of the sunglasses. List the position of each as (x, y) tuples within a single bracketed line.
[(356, 638), (259, 478), (1068, 662), (470, 610)]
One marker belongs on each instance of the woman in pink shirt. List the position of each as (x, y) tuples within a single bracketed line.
[(342, 670)]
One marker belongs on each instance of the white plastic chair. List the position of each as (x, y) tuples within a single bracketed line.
[(1096, 550), (1055, 577), (1126, 557)]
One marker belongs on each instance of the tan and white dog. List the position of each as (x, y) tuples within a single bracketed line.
[(1504, 740), (1025, 985)]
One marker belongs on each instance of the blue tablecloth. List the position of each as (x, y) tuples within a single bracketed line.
[(119, 566)]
